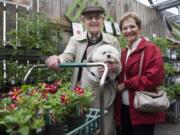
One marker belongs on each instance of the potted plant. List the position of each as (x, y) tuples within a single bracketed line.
[(26, 109), (65, 105), (77, 102), (35, 31), (162, 43), (21, 111)]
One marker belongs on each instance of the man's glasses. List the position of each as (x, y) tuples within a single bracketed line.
[(90, 17)]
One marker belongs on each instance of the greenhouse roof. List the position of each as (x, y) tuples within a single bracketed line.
[(166, 4)]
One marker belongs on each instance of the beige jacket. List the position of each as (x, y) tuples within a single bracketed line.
[(74, 53)]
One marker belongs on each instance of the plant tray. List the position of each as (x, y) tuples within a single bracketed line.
[(91, 124)]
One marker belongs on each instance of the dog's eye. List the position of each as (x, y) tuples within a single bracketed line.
[(104, 53)]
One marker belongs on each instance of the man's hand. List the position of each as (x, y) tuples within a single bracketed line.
[(100, 71), (53, 62), (111, 68)]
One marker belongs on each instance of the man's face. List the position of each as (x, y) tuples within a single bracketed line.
[(93, 22)]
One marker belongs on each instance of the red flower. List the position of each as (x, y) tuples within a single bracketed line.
[(58, 82), (51, 88), (64, 99), (14, 93), (45, 94), (33, 92), (12, 106), (78, 90), (42, 84)]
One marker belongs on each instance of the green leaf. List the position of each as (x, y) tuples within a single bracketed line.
[(11, 119), (2, 123), (24, 130), (26, 118)]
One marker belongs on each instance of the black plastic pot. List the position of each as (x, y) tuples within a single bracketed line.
[(55, 129), (74, 122), (3, 130)]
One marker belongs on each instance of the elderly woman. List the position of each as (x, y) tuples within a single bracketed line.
[(131, 121)]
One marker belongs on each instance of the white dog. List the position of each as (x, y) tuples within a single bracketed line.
[(107, 54)]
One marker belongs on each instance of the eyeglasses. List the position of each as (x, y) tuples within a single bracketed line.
[(90, 17)]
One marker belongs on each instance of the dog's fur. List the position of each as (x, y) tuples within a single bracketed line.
[(107, 54)]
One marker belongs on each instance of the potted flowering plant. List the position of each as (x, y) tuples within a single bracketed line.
[(74, 104), (28, 108), (21, 112), (77, 102)]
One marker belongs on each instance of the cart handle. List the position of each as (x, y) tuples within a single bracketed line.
[(74, 65)]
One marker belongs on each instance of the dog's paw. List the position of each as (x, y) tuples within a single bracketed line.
[(93, 74)]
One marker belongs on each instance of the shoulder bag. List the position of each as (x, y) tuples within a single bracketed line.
[(150, 102)]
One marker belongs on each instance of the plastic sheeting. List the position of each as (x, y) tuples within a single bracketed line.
[(173, 30)]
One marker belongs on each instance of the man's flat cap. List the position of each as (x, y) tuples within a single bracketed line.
[(93, 9)]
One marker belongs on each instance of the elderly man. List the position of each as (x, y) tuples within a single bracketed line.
[(79, 50)]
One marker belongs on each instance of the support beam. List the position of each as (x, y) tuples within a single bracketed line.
[(178, 10), (150, 2), (166, 5)]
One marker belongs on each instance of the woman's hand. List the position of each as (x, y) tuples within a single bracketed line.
[(121, 87)]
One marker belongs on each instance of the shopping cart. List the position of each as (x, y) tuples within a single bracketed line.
[(92, 119), (90, 126)]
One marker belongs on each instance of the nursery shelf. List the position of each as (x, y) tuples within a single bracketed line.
[(20, 54)]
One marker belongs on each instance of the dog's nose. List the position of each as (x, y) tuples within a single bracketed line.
[(109, 56)]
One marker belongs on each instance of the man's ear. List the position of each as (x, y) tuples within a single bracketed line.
[(82, 18), (103, 17)]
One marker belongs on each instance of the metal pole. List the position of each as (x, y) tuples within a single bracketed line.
[(4, 24), (102, 111)]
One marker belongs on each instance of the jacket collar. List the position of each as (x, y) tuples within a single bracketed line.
[(83, 37), (142, 45)]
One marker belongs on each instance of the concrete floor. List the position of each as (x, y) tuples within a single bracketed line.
[(172, 126), (167, 129)]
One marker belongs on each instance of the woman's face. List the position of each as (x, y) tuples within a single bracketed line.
[(130, 30)]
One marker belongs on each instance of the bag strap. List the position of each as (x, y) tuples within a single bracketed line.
[(140, 66), (141, 63)]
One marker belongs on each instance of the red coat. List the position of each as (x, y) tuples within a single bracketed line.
[(152, 76)]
